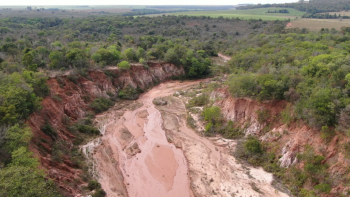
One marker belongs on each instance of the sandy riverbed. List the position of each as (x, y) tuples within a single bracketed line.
[(148, 151)]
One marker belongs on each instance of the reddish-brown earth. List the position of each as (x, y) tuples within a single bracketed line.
[(170, 158), (70, 98), (288, 140)]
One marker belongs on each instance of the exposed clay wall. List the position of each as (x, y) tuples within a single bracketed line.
[(70, 99), (287, 141)]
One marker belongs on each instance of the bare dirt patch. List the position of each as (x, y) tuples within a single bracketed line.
[(318, 24)]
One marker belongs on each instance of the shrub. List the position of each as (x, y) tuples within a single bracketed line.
[(231, 131), (94, 185), (287, 116), (323, 188), (242, 85), (48, 130), (263, 115), (344, 120), (200, 100), (124, 65), (99, 193), (253, 146), (212, 114), (327, 134), (129, 93), (214, 119), (101, 104), (87, 129)]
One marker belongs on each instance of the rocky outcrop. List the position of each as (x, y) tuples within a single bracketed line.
[(69, 101), (287, 140)]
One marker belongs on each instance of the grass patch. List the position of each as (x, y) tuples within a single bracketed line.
[(259, 13)]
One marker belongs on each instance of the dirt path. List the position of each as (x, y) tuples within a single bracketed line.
[(148, 151), (224, 57)]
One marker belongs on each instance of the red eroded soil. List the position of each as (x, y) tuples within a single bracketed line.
[(287, 140), (69, 100), (171, 159)]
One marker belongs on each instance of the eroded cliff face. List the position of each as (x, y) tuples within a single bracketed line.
[(69, 101), (287, 140)]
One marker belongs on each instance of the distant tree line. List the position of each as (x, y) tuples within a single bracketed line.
[(325, 16), (278, 11), (311, 7), (192, 7)]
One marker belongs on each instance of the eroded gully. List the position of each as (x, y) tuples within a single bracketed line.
[(149, 151)]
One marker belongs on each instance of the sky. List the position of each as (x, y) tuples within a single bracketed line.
[(137, 2)]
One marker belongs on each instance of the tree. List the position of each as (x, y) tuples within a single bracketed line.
[(76, 57), (4, 30), (27, 59), (242, 85), (108, 56), (171, 57), (17, 136), (130, 54), (124, 65), (253, 146), (212, 114), (198, 68), (10, 49), (140, 52), (347, 78), (57, 59), (25, 181)]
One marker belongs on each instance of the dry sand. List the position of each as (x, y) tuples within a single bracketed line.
[(148, 151)]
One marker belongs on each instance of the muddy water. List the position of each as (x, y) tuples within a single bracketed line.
[(134, 156)]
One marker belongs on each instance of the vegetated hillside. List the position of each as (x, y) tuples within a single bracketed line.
[(33, 47), (52, 43), (292, 92), (315, 6)]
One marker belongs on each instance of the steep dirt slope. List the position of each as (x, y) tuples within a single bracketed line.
[(69, 101), (287, 140)]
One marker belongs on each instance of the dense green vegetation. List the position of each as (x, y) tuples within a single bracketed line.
[(325, 16), (94, 42), (309, 70), (20, 94)]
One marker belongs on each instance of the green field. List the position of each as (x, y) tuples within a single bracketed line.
[(259, 13)]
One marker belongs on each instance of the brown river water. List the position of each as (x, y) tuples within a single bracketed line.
[(148, 151)]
